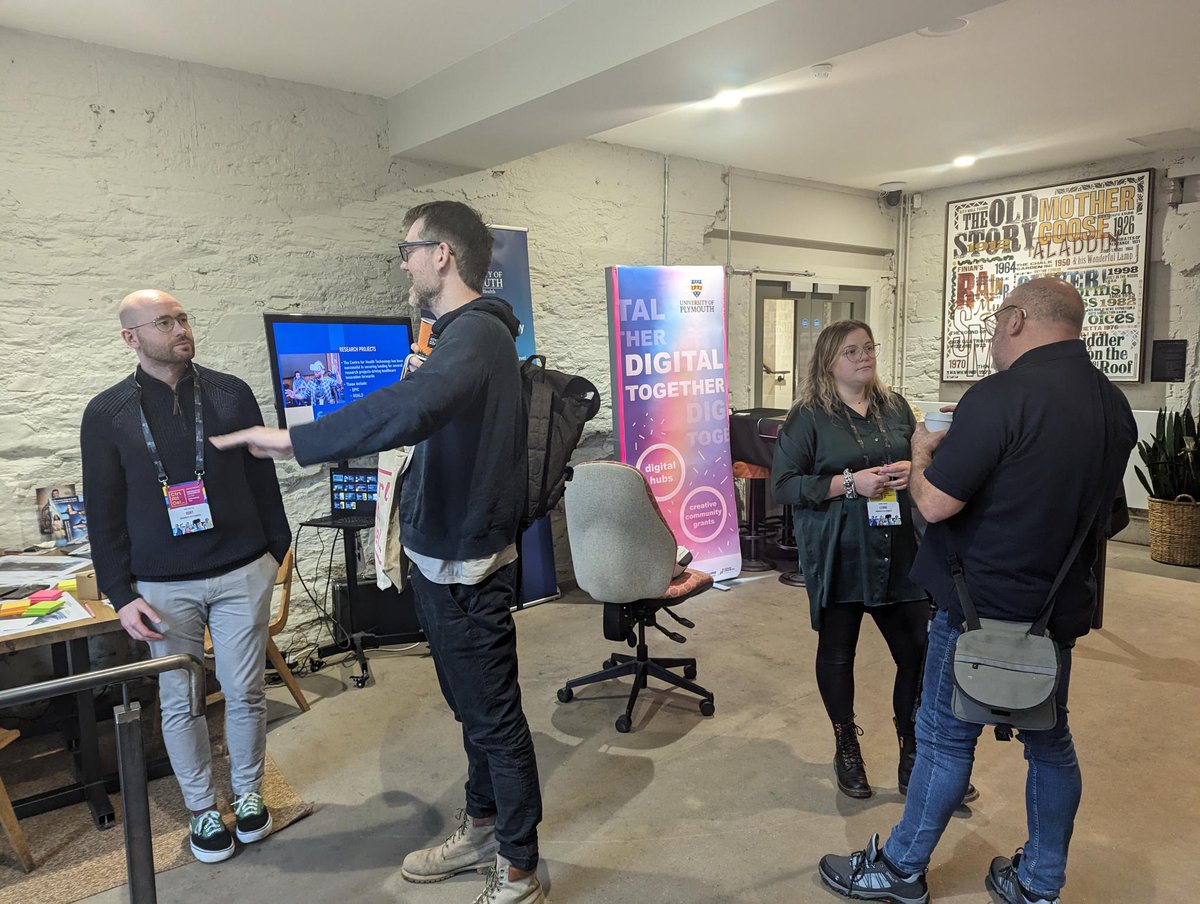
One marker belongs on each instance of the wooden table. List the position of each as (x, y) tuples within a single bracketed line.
[(69, 650)]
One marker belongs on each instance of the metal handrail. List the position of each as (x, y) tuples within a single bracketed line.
[(119, 674), (131, 759)]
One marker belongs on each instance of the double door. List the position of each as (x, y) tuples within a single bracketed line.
[(788, 324)]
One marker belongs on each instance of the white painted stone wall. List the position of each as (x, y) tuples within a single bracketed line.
[(242, 194), (1173, 292)]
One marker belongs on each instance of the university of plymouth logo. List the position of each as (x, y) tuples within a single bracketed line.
[(697, 287)]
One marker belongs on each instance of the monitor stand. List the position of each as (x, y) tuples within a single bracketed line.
[(357, 642)]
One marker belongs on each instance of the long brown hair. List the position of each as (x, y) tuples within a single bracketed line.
[(820, 390)]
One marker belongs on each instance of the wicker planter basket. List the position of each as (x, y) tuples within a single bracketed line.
[(1175, 531)]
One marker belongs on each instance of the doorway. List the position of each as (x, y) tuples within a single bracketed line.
[(787, 327)]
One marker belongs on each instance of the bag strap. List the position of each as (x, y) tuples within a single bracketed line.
[(1039, 625)]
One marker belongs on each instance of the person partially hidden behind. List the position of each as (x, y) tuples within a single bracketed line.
[(842, 461), (207, 557), (462, 500), (1007, 489)]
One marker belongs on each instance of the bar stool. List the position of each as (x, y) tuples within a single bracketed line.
[(755, 540), (787, 544)]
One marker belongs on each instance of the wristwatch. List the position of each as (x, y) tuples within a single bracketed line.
[(848, 484)]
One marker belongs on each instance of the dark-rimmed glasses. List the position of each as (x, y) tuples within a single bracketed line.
[(406, 248), (989, 321), (166, 323)]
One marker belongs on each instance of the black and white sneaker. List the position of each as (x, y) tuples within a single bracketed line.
[(866, 876), (211, 841), (253, 817), (1003, 885)]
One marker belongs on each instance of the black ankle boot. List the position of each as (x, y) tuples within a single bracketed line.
[(908, 759), (908, 756), (848, 761)]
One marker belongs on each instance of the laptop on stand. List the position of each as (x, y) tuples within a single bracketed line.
[(352, 496)]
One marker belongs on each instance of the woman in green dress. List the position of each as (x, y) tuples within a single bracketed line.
[(842, 462)]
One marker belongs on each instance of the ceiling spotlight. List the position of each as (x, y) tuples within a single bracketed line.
[(964, 161), (821, 70), (727, 100), (944, 29)]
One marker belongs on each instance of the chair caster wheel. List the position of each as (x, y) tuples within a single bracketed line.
[(565, 694), (707, 707), (624, 723), (608, 664), (689, 672)]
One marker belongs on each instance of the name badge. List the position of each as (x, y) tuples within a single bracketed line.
[(884, 510), (187, 507)]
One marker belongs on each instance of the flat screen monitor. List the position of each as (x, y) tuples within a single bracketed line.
[(320, 363)]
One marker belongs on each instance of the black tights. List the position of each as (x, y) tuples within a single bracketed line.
[(905, 628)]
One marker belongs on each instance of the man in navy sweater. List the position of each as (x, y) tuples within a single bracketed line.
[(460, 506), (207, 557)]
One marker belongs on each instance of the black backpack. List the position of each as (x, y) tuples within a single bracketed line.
[(558, 405)]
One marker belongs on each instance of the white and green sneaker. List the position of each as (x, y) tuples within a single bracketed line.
[(211, 841), (253, 817)]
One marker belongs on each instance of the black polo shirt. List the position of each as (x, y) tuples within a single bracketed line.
[(1026, 453)]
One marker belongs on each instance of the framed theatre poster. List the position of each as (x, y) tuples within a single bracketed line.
[(1092, 233)]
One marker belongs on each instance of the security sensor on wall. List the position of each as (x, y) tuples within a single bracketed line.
[(891, 193)]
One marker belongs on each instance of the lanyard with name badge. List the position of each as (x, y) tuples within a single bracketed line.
[(882, 510), (187, 503)]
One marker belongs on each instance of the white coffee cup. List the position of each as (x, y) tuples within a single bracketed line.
[(937, 421)]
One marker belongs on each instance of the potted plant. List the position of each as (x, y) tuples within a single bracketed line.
[(1172, 480)]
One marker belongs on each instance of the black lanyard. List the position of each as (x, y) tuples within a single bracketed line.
[(149, 437), (881, 427)]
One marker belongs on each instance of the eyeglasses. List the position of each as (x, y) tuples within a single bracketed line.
[(989, 321), (870, 350), (406, 248), (166, 323)]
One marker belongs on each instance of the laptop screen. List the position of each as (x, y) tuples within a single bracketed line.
[(352, 491)]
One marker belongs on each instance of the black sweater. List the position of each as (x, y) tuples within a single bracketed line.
[(129, 530), (464, 411)]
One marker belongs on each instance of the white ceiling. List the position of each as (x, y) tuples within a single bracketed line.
[(1031, 84)]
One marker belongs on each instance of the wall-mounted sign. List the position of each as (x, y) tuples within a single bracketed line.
[(1092, 233), (1168, 361)]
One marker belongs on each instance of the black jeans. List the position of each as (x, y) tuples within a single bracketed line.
[(905, 628), (474, 644)]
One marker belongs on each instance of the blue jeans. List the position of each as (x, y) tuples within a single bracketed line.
[(474, 645), (945, 753)]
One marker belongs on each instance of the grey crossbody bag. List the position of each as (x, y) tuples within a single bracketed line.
[(1006, 673)]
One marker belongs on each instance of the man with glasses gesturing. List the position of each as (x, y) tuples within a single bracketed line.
[(184, 535), (1006, 489), (461, 503)]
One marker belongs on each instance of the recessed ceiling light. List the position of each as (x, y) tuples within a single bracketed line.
[(964, 161), (821, 70), (727, 100), (944, 29)]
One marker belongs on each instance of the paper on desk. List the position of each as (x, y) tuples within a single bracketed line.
[(72, 611), (44, 570)]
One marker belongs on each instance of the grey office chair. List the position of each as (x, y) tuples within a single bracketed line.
[(624, 556)]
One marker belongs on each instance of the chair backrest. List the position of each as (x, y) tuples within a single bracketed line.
[(622, 549), (279, 609)]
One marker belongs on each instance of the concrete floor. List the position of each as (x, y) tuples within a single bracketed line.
[(740, 806)]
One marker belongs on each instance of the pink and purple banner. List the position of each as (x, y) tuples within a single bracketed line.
[(671, 402)]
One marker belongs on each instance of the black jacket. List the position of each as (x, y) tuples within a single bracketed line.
[(128, 527), (464, 411)]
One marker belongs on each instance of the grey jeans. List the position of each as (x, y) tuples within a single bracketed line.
[(236, 606)]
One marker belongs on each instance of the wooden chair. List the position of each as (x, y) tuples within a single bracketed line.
[(12, 828), (283, 580)]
